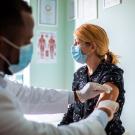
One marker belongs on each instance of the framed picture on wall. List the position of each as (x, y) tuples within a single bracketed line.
[(111, 3), (72, 9), (87, 9), (46, 47), (47, 12)]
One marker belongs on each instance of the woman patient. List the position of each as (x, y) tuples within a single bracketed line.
[(91, 47)]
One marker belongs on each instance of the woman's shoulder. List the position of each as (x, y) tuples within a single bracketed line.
[(112, 67), (112, 73), (82, 69)]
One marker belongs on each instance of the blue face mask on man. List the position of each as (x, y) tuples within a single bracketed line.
[(25, 56), (77, 54)]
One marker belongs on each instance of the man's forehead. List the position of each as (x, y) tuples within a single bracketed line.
[(28, 22), (27, 18)]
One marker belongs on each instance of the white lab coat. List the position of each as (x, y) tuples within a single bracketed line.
[(12, 121), (40, 101)]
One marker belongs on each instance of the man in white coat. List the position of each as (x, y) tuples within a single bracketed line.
[(16, 31)]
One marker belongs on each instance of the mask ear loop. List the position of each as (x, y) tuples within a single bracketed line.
[(4, 58), (9, 42)]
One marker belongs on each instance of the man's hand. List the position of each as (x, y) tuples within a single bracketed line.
[(104, 112), (108, 106), (92, 89)]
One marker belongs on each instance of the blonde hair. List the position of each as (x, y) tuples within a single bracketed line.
[(93, 33)]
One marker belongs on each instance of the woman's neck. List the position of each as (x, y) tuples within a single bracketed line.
[(92, 64)]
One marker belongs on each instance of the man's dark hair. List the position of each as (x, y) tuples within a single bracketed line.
[(10, 13)]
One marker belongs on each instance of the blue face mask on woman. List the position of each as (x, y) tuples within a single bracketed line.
[(77, 54), (25, 56)]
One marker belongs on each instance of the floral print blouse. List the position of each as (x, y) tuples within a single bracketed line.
[(105, 72)]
